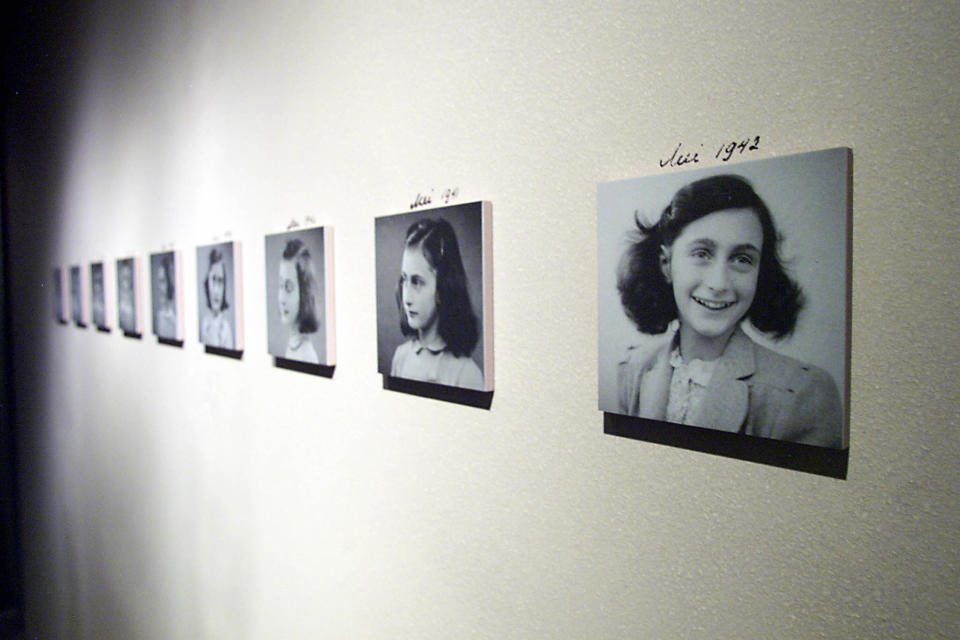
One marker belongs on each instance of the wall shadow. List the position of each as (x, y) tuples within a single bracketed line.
[(321, 370), (456, 395), (776, 453), (226, 353)]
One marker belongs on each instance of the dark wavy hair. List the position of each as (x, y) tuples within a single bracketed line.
[(297, 252), (646, 295), (216, 256), (456, 322)]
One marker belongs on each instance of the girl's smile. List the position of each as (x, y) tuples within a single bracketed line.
[(713, 266), (713, 306)]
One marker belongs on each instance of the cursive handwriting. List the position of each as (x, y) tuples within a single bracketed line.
[(678, 159), (682, 156), (423, 199)]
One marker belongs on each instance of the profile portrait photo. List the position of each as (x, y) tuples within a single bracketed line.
[(128, 296), (434, 296), (59, 309), (299, 279), (166, 295), (723, 298), (76, 296), (98, 296), (219, 296)]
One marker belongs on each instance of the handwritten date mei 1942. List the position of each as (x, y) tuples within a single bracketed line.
[(726, 151)]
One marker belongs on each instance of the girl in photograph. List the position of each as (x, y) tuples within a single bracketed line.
[(710, 262), (297, 300), (126, 309), (75, 304), (215, 329), (165, 320), (97, 296), (435, 310)]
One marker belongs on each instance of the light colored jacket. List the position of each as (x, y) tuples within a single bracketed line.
[(753, 390)]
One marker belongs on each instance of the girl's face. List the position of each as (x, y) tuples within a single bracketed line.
[(713, 266), (126, 296), (162, 282), (288, 294), (216, 280), (126, 279), (419, 290)]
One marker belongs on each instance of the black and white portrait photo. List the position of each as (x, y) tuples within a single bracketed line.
[(59, 309), (434, 296), (299, 277), (76, 296), (98, 296), (219, 296), (128, 296), (723, 297), (165, 288)]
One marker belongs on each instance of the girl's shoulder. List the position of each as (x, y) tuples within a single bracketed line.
[(794, 401), (643, 355), (403, 351), (403, 348), (468, 374), (787, 372)]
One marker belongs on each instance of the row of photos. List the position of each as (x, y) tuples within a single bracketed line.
[(696, 297)]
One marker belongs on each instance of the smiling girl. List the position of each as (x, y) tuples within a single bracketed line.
[(435, 310), (708, 264)]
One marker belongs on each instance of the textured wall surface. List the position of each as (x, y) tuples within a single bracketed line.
[(171, 493)]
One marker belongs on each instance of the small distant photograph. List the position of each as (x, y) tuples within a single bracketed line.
[(219, 295), (59, 310), (166, 295), (76, 297), (128, 290), (98, 296), (299, 277), (723, 298), (435, 296)]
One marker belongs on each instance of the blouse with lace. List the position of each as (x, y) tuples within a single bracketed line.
[(688, 385)]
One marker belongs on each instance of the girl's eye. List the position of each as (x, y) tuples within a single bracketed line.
[(743, 261), (700, 253)]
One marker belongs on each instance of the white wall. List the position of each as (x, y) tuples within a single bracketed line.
[(171, 493)]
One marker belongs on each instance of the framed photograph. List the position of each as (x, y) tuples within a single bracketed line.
[(300, 311), (724, 298), (435, 296), (219, 296), (77, 311), (57, 290), (128, 296), (166, 295), (98, 297)]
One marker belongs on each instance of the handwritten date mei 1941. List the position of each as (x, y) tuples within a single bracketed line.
[(424, 199), (726, 151)]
